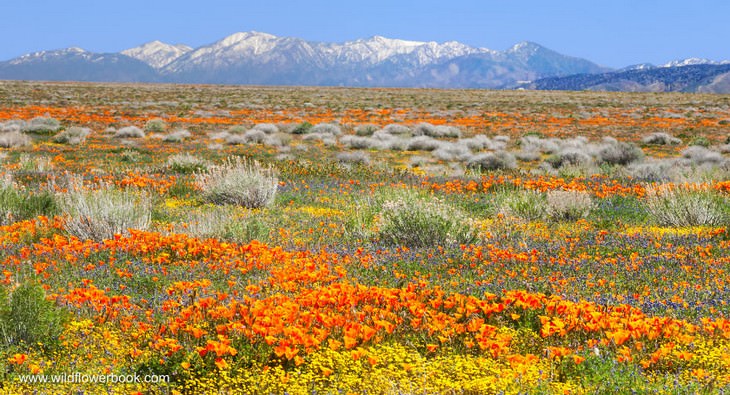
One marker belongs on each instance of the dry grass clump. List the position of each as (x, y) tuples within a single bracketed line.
[(683, 206), (238, 182), (101, 213), (14, 139), (568, 205)]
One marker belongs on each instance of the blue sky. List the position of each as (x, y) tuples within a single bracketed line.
[(612, 33)]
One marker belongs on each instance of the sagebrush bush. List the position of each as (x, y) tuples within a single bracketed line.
[(412, 221), (660, 138), (448, 151), (500, 160), (568, 205), (42, 125), (327, 128), (129, 132), (361, 158), (28, 319), (397, 129), (426, 129), (685, 206), (699, 155), (268, 128), (14, 139), (239, 182), (177, 136), (620, 153), (568, 156), (101, 213), (73, 136), (422, 143), (365, 130)]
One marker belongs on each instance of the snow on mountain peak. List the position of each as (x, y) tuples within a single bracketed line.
[(156, 53)]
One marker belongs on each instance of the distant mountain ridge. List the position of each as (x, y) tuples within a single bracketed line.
[(698, 77), (261, 58)]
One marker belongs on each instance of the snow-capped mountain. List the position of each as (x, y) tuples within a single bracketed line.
[(76, 64), (156, 53), (692, 62), (261, 58)]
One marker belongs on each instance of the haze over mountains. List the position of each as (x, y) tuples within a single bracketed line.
[(260, 58)]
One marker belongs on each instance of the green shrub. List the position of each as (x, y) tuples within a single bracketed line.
[(527, 205), (412, 221), (685, 206), (18, 204), (28, 318), (302, 128), (186, 163), (700, 141), (155, 126), (239, 182)]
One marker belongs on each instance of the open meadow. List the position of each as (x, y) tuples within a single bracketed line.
[(226, 240)]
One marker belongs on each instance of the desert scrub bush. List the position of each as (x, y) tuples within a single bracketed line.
[(527, 205), (73, 136), (422, 143), (327, 128), (13, 125), (660, 138), (500, 160), (177, 136), (452, 152), (14, 139), (360, 158), (239, 182), (684, 205), (568, 205), (42, 125), (620, 153), (224, 224), (302, 128), (426, 129), (28, 319), (185, 163), (397, 129), (268, 128), (413, 221), (568, 156), (365, 130), (129, 132), (357, 142), (155, 126), (99, 214), (699, 155)]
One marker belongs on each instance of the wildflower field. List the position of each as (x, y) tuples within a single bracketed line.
[(255, 240)]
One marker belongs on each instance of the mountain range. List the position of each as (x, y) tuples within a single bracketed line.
[(265, 59)]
